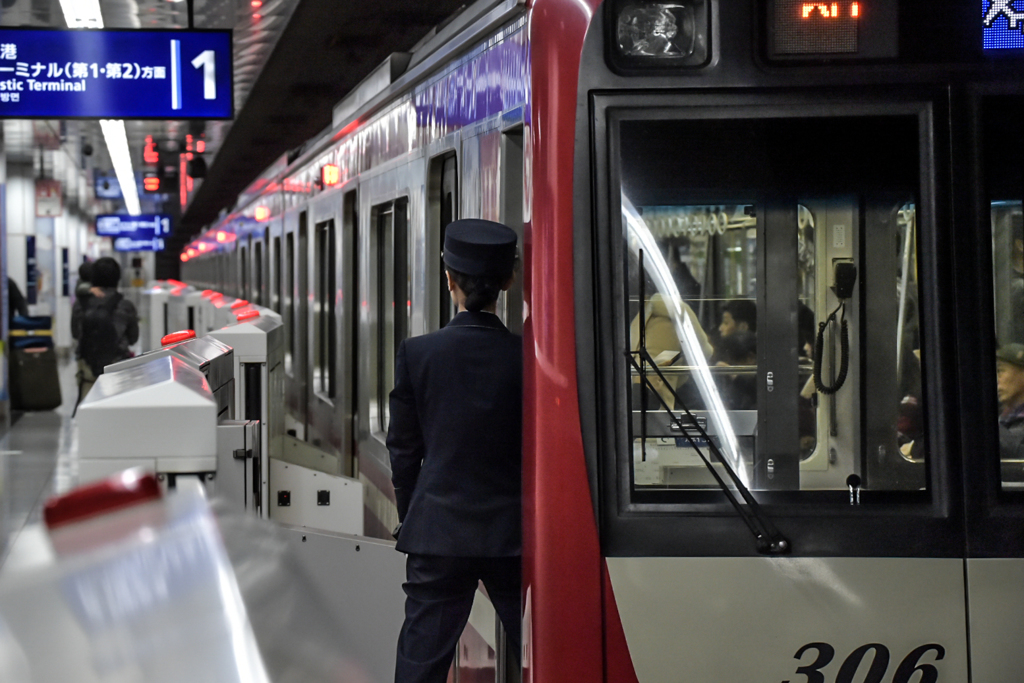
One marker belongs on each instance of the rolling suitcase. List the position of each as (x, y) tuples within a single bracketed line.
[(35, 383)]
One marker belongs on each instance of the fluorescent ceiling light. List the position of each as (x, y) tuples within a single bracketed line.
[(87, 14), (117, 145)]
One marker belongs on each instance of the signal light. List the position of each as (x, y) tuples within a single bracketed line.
[(202, 246), (151, 184), (261, 213), (192, 252), (184, 257), (330, 174)]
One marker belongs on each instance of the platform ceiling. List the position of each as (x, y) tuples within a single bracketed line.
[(326, 49)]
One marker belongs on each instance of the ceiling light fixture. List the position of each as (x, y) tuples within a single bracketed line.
[(87, 14), (120, 156)]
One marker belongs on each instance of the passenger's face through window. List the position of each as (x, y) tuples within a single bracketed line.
[(1010, 385)]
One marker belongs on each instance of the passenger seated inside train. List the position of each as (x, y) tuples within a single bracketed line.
[(739, 315), (664, 347), (1010, 388), (738, 389)]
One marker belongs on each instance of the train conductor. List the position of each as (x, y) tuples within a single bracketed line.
[(455, 440)]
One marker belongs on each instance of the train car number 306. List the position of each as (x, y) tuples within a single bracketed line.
[(910, 665)]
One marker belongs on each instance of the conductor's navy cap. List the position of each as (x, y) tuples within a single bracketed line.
[(477, 247)]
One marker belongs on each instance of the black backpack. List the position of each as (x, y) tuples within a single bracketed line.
[(99, 343)]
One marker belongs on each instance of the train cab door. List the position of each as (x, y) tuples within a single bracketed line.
[(770, 296)]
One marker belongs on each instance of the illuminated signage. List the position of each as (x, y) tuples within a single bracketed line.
[(115, 74), (1002, 25), (836, 29), (330, 175), (134, 233)]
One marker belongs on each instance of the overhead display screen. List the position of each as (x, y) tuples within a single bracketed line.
[(113, 74), (135, 233), (850, 29), (1002, 25)]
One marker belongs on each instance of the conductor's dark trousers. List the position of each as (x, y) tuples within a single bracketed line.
[(439, 596)]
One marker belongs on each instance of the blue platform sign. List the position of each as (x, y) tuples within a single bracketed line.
[(135, 233), (111, 74)]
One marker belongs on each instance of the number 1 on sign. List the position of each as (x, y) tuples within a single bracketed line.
[(207, 61)]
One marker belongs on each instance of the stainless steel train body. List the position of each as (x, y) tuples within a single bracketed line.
[(670, 164)]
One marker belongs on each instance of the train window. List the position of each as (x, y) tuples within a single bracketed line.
[(391, 292), (288, 292), (510, 303), (276, 282), (324, 319), (769, 310), (443, 209), (257, 272), (243, 267), (1005, 183)]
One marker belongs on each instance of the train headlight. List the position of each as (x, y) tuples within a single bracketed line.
[(658, 34)]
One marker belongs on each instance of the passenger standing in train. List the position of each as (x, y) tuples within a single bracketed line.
[(455, 440), (1010, 388), (104, 323)]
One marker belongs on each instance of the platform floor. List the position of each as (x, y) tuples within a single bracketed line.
[(40, 448)]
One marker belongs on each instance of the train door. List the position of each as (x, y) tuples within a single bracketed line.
[(442, 209), (991, 281), (770, 306), (384, 320)]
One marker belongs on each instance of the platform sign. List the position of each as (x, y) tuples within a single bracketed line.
[(115, 74), (135, 233)]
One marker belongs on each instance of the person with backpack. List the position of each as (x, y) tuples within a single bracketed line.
[(104, 323)]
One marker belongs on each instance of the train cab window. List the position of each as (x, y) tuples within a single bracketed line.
[(1005, 183), (769, 310), (324, 319), (390, 298)]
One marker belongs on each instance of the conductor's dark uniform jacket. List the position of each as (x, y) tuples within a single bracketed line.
[(455, 439)]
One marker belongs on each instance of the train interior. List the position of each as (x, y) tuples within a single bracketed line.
[(772, 288)]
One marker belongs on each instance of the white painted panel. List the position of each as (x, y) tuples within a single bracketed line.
[(997, 619), (744, 619)]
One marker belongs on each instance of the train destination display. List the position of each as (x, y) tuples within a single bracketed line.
[(115, 74), (135, 233)]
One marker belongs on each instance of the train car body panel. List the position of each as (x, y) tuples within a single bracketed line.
[(747, 619), (996, 616)]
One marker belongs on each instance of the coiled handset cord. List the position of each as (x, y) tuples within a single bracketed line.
[(844, 351)]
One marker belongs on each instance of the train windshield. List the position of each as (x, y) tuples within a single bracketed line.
[(775, 297)]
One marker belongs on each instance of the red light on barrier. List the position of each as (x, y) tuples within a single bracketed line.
[(184, 257), (330, 174), (261, 213), (130, 487), (202, 246), (247, 315), (239, 303), (175, 337), (192, 252), (206, 293)]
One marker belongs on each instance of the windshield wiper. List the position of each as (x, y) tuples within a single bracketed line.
[(769, 540)]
